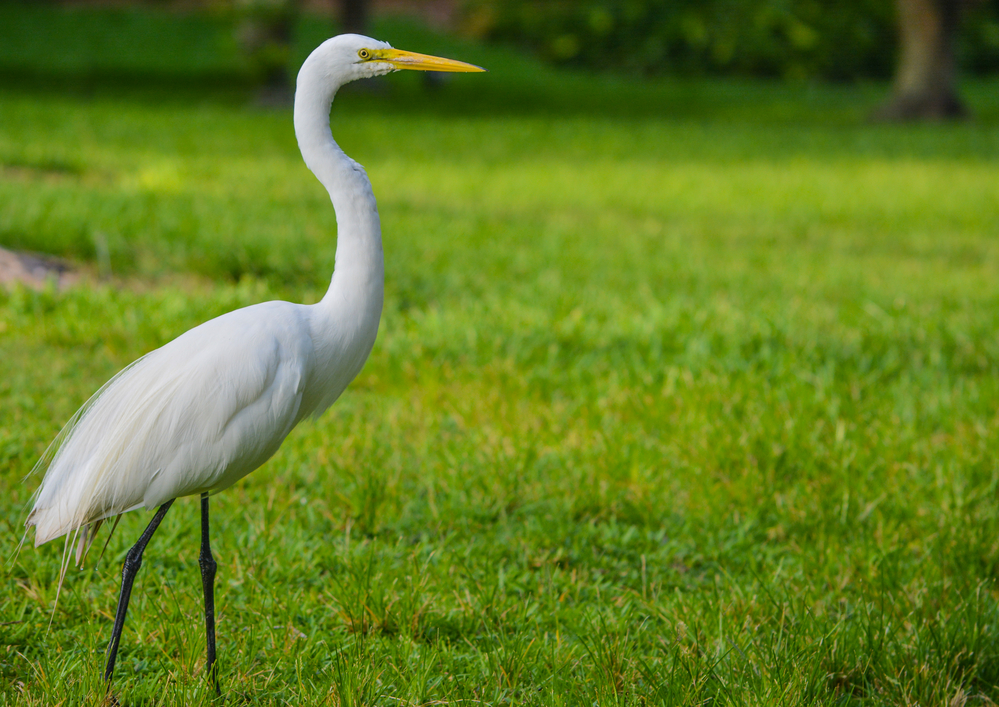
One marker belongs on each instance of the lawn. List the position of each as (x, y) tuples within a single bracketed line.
[(685, 391)]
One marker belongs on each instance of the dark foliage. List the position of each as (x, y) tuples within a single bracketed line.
[(786, 38)]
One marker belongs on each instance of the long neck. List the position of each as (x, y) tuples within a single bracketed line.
[(357, 285)]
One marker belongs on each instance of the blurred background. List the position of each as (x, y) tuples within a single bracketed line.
[(922, 45), (687, 384)]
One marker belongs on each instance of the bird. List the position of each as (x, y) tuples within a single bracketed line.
[(204, 410)]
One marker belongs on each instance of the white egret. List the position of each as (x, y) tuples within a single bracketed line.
[(201, 412)]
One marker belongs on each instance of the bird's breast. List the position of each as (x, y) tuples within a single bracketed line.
[(344, 332)]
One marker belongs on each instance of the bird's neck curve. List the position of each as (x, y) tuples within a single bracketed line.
[(356, 289)]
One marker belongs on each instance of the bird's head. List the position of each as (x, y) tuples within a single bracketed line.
[(349, 57)]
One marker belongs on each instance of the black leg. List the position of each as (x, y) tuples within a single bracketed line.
[(133, 561), (208, 566)]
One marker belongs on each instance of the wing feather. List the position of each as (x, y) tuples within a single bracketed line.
[(194, 415)]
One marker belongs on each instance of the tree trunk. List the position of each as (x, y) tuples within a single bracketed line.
[(925, 80), (354, 16), (265, 35)]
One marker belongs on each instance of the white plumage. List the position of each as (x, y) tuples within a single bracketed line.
[(215, 403), (195, 415), (201, 412)]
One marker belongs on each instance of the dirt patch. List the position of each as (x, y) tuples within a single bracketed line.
[(34, 270)]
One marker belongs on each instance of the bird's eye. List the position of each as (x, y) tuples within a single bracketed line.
[(364, 54)]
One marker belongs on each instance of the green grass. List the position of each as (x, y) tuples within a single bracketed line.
[(697, 402)]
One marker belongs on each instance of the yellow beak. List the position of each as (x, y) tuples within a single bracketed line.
[(401, 59)]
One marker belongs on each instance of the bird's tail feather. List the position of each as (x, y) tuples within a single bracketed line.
[(66, 502)]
